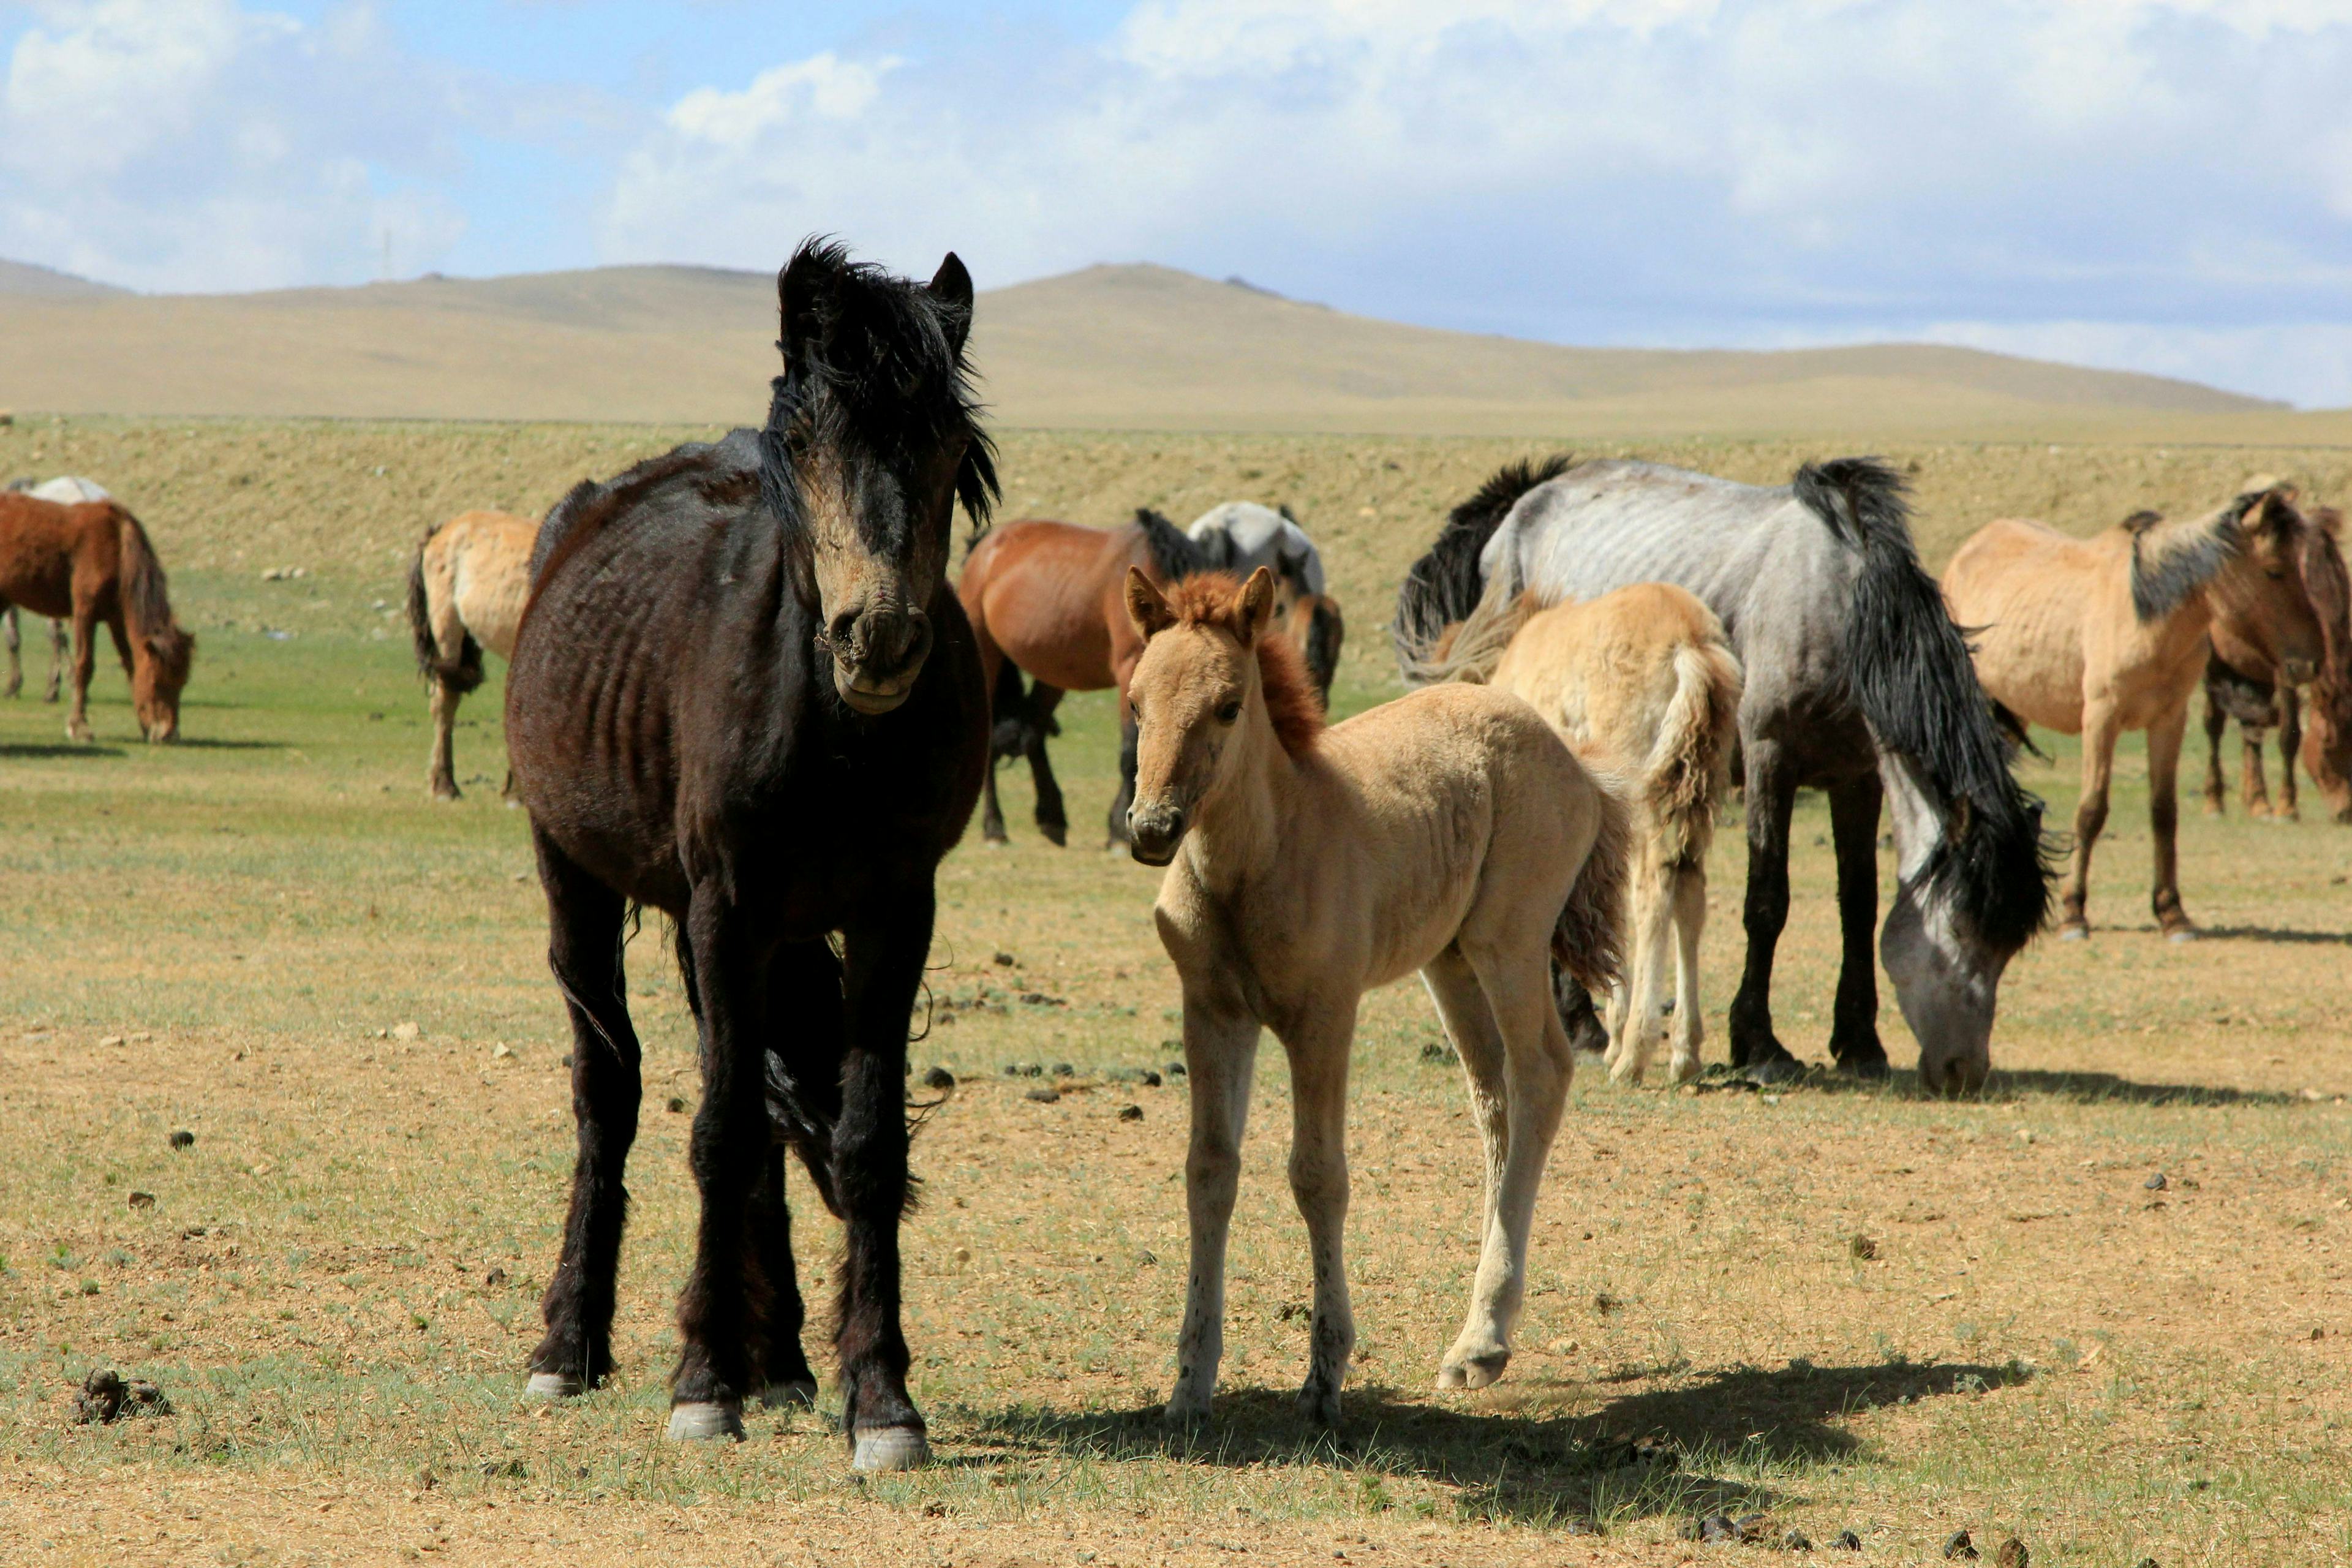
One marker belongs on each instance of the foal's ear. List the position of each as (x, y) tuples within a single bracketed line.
[(952, 285), (1146, 605), (1253, 608)]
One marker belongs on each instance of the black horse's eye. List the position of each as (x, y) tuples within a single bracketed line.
[(1230, 712)]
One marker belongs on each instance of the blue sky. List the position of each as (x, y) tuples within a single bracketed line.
[(2163, 184)]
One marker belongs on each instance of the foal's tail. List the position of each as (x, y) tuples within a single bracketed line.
[(1587, 942), (1689, 767), (459, 675)]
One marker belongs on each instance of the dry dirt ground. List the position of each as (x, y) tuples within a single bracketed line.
[(1838, 1308)]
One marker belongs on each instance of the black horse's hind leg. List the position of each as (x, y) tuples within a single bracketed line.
[(1053, 821), (584, 926), (1771, 795), (1854, 1045), (885, 958), (804, 1082), (991, 816), (2290, 707), (1119, 809), (724, 1304)]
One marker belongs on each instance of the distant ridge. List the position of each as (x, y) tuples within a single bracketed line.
[(1122, 347)]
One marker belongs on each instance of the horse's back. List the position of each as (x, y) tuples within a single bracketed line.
[(1257, 536), (1043, 593), (44, 545), (1608, 673), (2024, 593)]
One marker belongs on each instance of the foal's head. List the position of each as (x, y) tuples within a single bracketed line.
[(1216, 678), (872, 439)]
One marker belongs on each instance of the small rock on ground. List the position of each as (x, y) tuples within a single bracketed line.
[(1958, 1548), (1044, 1094), (2012, 1554), (1847, 1541), (1130, 1113), (2156, 1182), (1796, 1541), (107, 1396), (938, 1078), (184, 1139)]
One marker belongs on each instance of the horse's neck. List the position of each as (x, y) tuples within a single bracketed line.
[(1916, 816), (1241, 824)]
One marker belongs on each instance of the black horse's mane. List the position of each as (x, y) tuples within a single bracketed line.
[(876, 361), (1444, 586), (1910, 672)]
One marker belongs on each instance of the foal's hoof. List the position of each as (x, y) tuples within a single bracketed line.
[(554, 1386), (1474, 1372), (2073, 930), (891, 1448), (702, 1419), (800, 1393)]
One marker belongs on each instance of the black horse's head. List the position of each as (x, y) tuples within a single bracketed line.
[(872, 439)]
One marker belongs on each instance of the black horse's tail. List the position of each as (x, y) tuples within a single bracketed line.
[(1909, 671), (1444, 586), (459, 675)]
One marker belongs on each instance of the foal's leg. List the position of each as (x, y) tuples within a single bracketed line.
[(2164, 738), (1319, 1180), (1537, 1068), (9, 633), (1639, 1020), (882, 968), (1220, 1052), (1690, 920), (1854, 1045), (2100, 732), (2290, 702), (724, 1300), (2217, 724), (1053, 820), (1475, 1359), (1772, 796), (441, 781), (583, 950)]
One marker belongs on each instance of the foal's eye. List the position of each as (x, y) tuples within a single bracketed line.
[(1230, 711), (2277, 574)]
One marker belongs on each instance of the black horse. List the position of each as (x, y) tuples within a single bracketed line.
[(743, 694)]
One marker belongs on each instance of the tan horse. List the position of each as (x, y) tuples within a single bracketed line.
[(467, 590), (2097, 637), (1643, 685), (1448, 831), (2240, 684)]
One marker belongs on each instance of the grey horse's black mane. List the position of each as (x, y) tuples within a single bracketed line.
[(1909, 671), (1444, 586), (1174, 557), (873, 361)]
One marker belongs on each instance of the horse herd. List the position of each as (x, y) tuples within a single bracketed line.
[(743, 691)]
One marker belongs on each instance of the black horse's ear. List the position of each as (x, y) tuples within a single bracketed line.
[(952, 286), (799, 315)]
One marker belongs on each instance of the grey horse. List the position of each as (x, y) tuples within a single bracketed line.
[(66, 491), (1240, 536), (1858, 683)]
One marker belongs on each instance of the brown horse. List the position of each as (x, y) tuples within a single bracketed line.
[(2240, 684), (92, 562), (466, 589), (2096, 637), (1050, 598)]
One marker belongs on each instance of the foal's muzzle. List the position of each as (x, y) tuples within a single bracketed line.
[(1152, 835), (878, 655)]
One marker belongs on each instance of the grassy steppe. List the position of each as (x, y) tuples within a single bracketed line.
[(337, 1284)]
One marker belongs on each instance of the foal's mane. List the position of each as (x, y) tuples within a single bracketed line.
[(2170, 561), (878, 362), (1210, 599)]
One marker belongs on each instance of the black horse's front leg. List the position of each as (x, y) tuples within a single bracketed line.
[(583, 948), (724, 1305), (884, 959), (1772, 796), (1854, 1043), (804, 1102)]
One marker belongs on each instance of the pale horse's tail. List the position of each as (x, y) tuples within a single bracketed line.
[(1688, 771)]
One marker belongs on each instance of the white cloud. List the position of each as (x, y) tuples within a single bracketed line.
[(1604, 170)]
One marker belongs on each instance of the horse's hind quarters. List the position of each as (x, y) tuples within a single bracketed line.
[(700, 1420), (800, 1393), (889, 1448), (554, 1386)]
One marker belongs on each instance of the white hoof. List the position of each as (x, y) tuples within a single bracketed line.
[(891, 1448), (700, 1420), (2186, 934), (1474, 1372), (799, 1395), (2075, 933), (554, 1386)]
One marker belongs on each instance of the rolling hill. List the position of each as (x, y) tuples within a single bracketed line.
[(1115, 347)]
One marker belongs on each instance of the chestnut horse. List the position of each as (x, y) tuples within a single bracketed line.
[(91, 562), (2240, 684), (1049, 598), (744, 695), (2096, 637), (67, 489), (466, 588)]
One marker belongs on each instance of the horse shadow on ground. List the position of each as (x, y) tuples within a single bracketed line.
[(1639, 1455), (55, 751), (213, 743), (2275, 933), (2010, 1084)]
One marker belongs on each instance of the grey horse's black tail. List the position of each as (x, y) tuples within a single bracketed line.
[(1444, 586), (1909, 671), (459, 675)]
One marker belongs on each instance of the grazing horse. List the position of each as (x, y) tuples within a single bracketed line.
[(1857, 682), (1448, 831), (1045, 597), (466, 589), (1643, 685), (2240, 684), (66, 490), (2097, 637), (91, 561), (1240, 536), (744, 695)]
